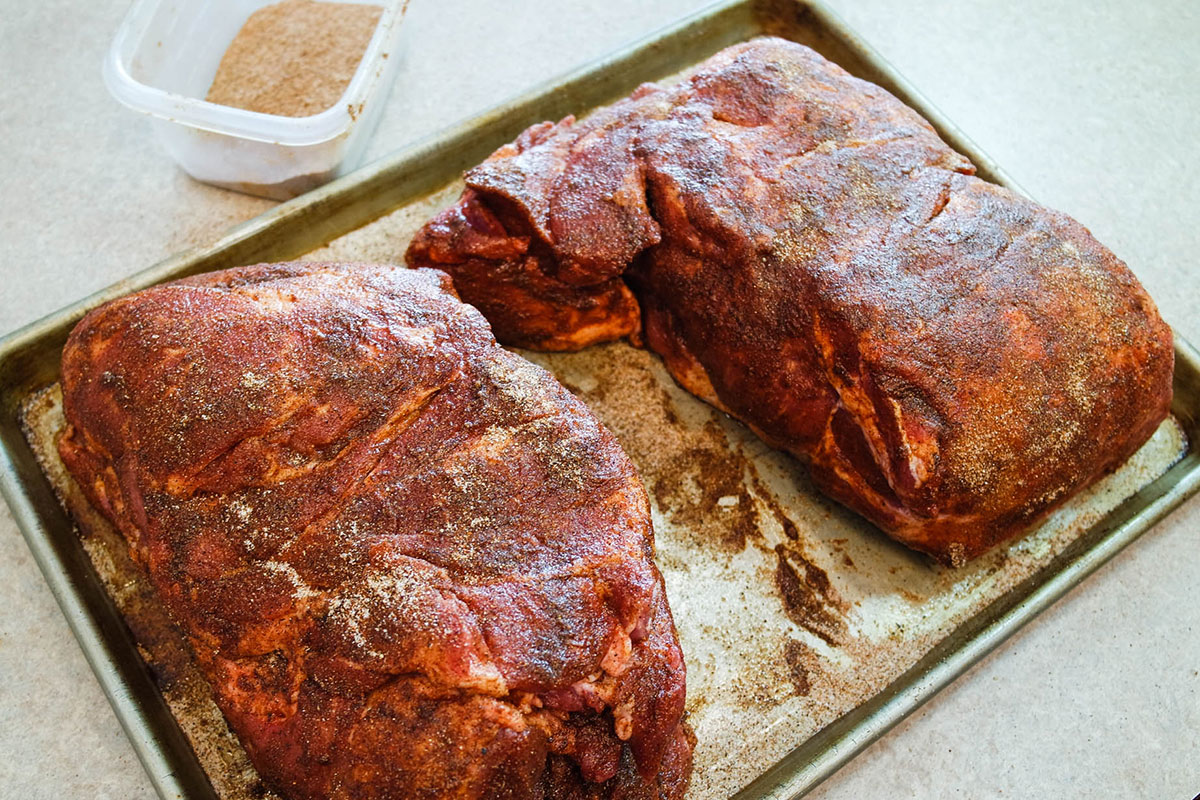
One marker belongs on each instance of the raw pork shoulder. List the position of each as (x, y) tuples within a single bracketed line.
[(952, 360), (410, 563)]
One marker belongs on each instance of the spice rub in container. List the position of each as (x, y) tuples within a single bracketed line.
[(271, 99), (294, 58)]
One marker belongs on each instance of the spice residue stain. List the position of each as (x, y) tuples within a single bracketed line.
[(789, 528), (798, 656), (702, 488), (693, 474), (808, 597)]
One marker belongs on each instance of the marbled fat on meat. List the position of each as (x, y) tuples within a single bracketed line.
[(409, 562), (952, 360)]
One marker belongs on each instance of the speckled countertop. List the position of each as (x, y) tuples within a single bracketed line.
[(1093, 107)]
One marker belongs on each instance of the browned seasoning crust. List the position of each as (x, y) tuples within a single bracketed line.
[(953, 360), (410, 563)]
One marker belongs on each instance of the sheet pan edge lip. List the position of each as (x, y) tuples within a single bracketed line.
[(84, 626), (86, 630)]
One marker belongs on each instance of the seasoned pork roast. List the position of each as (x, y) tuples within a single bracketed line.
[(410, 563), (952, 360)]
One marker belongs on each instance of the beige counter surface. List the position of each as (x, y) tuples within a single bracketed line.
[(1093, 107)]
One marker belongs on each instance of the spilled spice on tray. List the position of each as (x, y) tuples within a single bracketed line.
[(294, 58)]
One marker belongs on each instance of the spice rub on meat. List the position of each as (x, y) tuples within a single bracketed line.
[(952, 360), (409, 562)]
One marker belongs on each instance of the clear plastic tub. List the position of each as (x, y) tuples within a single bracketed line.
[(163, 61)]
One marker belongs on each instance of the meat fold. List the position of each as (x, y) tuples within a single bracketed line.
[(409, 562), (952, 360)]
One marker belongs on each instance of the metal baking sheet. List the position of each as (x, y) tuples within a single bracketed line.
[(807, 633)]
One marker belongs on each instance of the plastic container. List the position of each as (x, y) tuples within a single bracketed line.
[(163, 61)]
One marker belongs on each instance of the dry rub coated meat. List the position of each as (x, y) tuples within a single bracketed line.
[(410, 563), (951, 359)]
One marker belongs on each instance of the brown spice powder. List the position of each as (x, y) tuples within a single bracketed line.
[(294, 58)]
